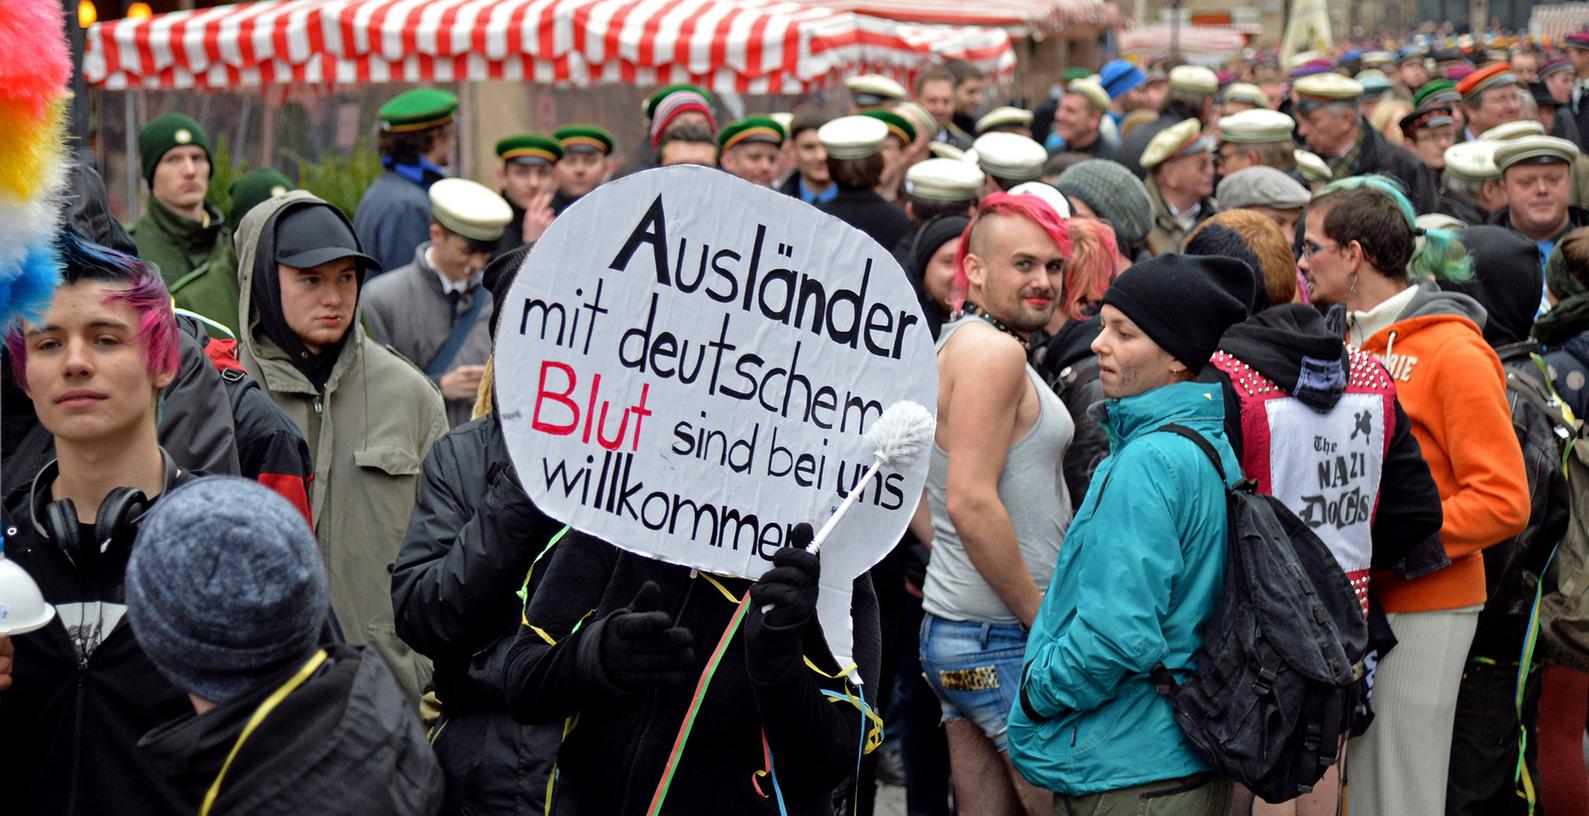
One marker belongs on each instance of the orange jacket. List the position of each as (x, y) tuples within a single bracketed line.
[(1454, 390)]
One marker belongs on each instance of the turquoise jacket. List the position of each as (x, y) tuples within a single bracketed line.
[(1141, 571)]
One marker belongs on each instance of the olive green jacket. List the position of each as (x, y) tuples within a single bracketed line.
[(196, 260), (368, 432)]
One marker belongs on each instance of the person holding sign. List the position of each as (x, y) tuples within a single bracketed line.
[(998, 502), (435, 311), (1144, 559), (369, 415)]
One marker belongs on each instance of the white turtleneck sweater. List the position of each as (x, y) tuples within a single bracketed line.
[(1363, 325)]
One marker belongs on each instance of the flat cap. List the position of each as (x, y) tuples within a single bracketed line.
[(764, 129), (1534, 150), (944, 180), (1256, 126), (529, 148), (469, 209), (584, 139), (853, 137), (1311, 166), (1010, 156), (1328, 87), (1093, 92), (898, 126), (1472, 161), (1194, 79), (1494, 75), (874, 90), (1246, 92), (1005, 116), (1261, 186), (1184, 138), (1507, 131), (419, 109)]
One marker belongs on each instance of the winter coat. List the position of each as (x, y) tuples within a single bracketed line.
[(1068, 365), (1379, 501), (472, 540), (393, 218), (513, 234), (1569, 372), (196, 260), (1454, 391), (1462, 208), (1167, 233), (1576, 217), (1140, 573), (407, 310), (870, 213), (344, 743), (69, 728), (1375, 155), (368, 432), (613, 757)]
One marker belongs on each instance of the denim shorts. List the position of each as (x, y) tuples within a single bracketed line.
[(975, 669)]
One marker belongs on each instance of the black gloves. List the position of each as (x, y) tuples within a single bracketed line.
[(782, 602), (641, 647)]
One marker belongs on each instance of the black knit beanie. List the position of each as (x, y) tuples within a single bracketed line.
[(1185, 303)]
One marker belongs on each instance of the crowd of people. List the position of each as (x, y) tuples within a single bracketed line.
[(253, 459)]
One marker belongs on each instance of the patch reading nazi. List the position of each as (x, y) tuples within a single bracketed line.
[(981, 678)]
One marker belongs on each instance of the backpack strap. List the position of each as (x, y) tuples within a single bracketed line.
[(457, 337), (1202, 444)]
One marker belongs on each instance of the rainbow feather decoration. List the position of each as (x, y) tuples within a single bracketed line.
[(33, 154)]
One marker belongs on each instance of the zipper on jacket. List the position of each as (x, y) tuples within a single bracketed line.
[(77, 741), (1073, 737)]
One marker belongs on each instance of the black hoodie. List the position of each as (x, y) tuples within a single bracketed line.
[(1507, 282), (1290, 345), (267, 304)]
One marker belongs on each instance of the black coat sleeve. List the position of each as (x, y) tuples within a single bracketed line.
[(1409, 501), (553, 668), (814, 739), (196, 414), (469, 545)]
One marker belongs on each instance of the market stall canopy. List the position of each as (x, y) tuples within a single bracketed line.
[(744, 46), (1039, 18), (1207, 41)]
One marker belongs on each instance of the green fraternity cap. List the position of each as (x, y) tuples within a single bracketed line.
[(167, 131), (420, 109), (764, 129), (253, 188), (898, 126), (529, 148), (584, 139), (1438, 90), (666, 91), (1074, 73)]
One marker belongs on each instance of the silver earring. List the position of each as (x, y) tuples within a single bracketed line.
[(1354, 283)]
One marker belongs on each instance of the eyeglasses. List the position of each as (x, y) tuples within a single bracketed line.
[(1309, 249)]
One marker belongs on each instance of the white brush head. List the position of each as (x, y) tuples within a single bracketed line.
[(902, 434)]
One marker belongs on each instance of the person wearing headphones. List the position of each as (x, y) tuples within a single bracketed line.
[(82, 692)]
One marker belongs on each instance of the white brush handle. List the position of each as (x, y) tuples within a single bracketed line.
[(849, 501)]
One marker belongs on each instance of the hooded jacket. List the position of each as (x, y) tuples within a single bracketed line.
[(196, 260), (344, 743), (1454, 391), (1141, 571), (1291, 348), (472, 540), (618, 741), (368, 430), (70, 724)]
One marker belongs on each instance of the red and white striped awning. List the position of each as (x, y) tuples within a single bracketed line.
[(745, 46), (1042, 17), (1204, 40), (1552, 23)]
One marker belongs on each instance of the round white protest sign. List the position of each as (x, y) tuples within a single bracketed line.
[(687, 365)]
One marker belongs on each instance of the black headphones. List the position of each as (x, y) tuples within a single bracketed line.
[(122, 510)]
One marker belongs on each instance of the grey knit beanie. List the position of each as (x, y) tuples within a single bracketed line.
[(1116, 195), (225, 588)]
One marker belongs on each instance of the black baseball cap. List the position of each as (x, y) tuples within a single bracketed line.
[(307, 236)]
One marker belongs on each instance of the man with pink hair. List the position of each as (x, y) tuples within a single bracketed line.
[(995, 493)]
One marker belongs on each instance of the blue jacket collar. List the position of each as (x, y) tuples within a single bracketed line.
[(1184, 402)]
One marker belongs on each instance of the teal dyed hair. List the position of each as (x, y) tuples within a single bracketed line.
[(1441, 257)]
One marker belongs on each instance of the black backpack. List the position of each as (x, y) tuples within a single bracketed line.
[(1275, 683)]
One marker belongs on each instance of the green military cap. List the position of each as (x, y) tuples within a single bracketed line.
[(1437, 90), (1076, 72), (469, 209), (584, 139), (165, 132), (898, 126), (764, 129), (419, 109), (664, 92), (529, 148), (253, 188)]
